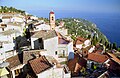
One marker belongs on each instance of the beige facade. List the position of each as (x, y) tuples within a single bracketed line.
[(52, 20)]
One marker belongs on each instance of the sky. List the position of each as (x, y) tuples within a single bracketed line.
[(99, 6)]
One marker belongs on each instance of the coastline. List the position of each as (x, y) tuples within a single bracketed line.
[(108, 24)]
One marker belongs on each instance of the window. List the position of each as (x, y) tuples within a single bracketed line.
[(55, 52), (52, 18), (1, 54), (63, 52), (18, 71), (1, 46), (2, 29)]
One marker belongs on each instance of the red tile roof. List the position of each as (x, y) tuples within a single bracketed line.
[(76, 64), (40, 64), (51, 12), (14, 61), (97, 57), (30, 55)]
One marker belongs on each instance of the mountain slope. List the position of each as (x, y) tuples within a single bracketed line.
[(81, 27)]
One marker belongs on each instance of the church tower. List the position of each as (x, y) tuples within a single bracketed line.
[(52, 20)]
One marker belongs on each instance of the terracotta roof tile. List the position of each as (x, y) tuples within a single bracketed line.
[(40, 64), (80, 40), (97, 57), (14, 61), (29, 55), (77, 63)]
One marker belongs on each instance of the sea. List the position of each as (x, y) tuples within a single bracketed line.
[(108, 23)]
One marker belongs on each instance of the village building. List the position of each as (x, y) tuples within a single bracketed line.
[(76, 65), (39, 27), (47, 40), (98, 60), (82, 43), (64, 46), (52, 41), (43, 68), (15, 66), (114, 65), (61, 29), (4, 73), (52, 20), (18, 64), (7, 17), (17, 19)]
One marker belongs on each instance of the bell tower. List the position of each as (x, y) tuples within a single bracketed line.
[(52, 20)]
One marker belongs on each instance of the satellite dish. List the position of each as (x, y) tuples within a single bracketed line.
[(4, 64)]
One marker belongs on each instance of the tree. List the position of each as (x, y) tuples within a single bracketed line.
[(119, 48), (114, 46), (110, 46), (107, 45), (89, 36)]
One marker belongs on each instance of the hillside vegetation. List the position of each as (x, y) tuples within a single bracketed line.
[(83, 28), (5, 9)]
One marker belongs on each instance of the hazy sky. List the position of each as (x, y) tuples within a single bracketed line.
[(111, 6)]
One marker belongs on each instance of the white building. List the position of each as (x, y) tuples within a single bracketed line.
[(17, 19), (82, 43), (61, 30), (64, 46), (7, 40), (34, 17), (47, 40), (15, 66), (10, 17), (42, 27), (43, 69), (6, 19)]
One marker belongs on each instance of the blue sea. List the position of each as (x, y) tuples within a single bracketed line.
[(108, 23)]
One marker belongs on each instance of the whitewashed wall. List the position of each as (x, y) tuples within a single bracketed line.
[(17, 19), (79, 46), (32, 42), (8, 47), (46, 74), (51, 45), (43, 27)]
